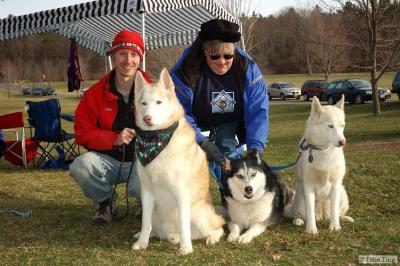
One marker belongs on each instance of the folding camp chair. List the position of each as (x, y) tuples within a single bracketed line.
[(19, 151), (45, 119)]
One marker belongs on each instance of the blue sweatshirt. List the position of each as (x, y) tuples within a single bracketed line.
[(254, 100)]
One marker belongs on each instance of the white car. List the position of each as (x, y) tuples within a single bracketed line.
[(283, 90), (82, 91), (384, 94)]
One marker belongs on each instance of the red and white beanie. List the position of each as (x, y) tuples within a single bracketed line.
[(127, 39)]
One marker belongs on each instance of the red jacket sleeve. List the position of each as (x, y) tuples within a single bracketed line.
[(87, 131), (93, 125)]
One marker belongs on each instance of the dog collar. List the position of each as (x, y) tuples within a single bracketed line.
[(149, 144), (304, 145)]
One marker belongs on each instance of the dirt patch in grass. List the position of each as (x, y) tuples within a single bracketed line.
[(375, 146)]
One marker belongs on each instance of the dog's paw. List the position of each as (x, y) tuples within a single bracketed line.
[(298, 221), (186, 250), (214, 237), (173, 238), (137, 235), (233, 237), (334, 227), (245, 238), (139, 245), (312, 230)]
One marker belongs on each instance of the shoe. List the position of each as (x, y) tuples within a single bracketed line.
[(103, 214)]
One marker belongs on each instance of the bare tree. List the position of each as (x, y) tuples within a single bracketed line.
[(375, 25), (245, 12), (328, 43)]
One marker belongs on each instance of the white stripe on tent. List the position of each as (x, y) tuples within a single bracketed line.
[(94, 24)]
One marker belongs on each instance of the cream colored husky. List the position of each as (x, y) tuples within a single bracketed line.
[(174, 178), (320, 169)]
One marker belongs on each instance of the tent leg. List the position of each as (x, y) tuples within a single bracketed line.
[(109, 65), (144, 40), (243, 46)]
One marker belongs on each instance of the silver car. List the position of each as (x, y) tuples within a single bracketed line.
[(283, 90)]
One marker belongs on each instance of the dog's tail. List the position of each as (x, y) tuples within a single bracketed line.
[(289, 196), (287, 211), (347, 218)]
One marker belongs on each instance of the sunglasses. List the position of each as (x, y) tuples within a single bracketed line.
[(215, 57)]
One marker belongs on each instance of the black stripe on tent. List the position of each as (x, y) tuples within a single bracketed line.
[(36, 20), (25, 21), (12, 22), (18, 23), (99, 9), (86, 10)]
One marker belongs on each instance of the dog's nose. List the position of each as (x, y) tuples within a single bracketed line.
[(248, 189), (147, 119), (342, 142)]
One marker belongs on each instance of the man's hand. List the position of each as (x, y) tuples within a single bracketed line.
[(212, 152), (125, 136)]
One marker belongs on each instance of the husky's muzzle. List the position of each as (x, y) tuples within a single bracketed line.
[(248, 192)]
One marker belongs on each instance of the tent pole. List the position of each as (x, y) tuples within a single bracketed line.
[(242, 39), (144, 40), (108, 63)]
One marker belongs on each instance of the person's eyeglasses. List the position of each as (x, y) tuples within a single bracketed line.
[(215, 57)]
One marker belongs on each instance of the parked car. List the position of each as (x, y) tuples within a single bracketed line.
[(384, 94), (396, 84), (283, 90), (26, 91), (313, 88), (39, 91), (82, 91), (355, 91), (51, 91)]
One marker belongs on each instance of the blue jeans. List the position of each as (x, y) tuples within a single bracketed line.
[(96, 174), (224, 137)]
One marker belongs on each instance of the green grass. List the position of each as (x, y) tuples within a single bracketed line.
[(59, 233)]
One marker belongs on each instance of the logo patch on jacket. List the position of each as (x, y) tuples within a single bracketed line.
[(223, 102)]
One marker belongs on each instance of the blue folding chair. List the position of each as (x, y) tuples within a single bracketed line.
[(45, 118)]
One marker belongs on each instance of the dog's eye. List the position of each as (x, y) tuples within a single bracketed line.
[(253, 174), (330, 126), (144, 103), (159, 102), (240, 176)]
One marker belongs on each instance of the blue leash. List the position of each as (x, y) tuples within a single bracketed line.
[(216, 170), (281, 167), (27, 214)]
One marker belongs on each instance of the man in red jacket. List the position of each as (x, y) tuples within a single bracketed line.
[(105, 125)]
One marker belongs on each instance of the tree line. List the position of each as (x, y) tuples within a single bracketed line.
[(307, 41)]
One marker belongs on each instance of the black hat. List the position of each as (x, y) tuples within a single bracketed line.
[(219, 29)]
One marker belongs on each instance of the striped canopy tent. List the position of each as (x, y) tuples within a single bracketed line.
[(163, 23)]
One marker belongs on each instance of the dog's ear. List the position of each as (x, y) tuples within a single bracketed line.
[(256, 155), (166, 79), (139, 82), (226, 166), (340, 104), (316, 108)]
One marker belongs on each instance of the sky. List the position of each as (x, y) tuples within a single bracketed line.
[(22, 7)]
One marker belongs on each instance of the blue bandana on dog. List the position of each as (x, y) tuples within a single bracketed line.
[(149, 144)]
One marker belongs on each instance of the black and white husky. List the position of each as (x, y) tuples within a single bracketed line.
[(256, 197)]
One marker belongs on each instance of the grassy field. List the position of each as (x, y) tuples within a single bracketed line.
[(59, 232)]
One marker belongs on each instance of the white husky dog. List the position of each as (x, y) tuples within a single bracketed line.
[(173, 170), (320, 169)]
